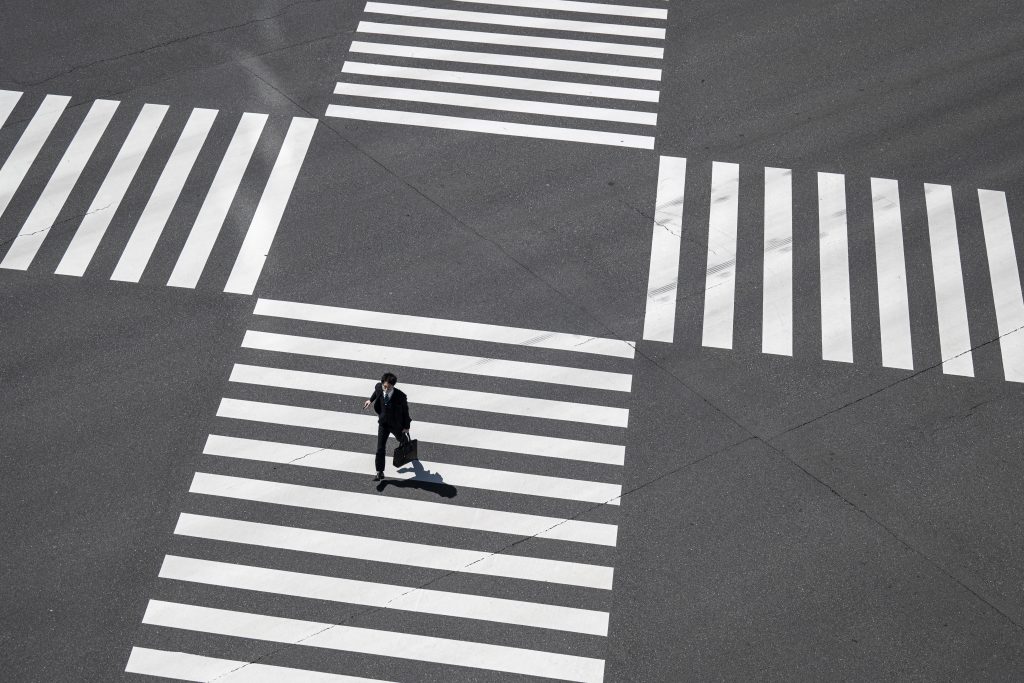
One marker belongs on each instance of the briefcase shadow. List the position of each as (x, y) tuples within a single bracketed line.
[(423, 479)]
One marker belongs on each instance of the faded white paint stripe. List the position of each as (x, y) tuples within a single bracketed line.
[(426, 471), (432, 360), (720, 277), (151, 223), (420, 512), (440, 327), (514, 61), (416, 73), (374, 642), (265, 221), (385, 596), (427, 432), (188, 667), (836, 317), (207, 226), (1006, 290), (540, 42), (435, 396), (27, 148), (666, 237), (97, 219), (950, 299), (777, 308), (53, 197), (893, 301), (417, 12), (440, 558)]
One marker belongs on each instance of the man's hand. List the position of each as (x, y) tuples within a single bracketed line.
[(367, 404)]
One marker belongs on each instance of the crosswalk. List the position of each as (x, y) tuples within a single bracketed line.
[(140, 169), (982, 220), (490, 557), (602, 91)]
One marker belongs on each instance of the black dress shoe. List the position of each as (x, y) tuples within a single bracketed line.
[(379, 476)]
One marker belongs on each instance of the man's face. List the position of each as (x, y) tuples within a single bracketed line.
[(386, 386)]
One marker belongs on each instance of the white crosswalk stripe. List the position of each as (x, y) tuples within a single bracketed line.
[(396, 552), (522, 521), (375, 642), (952, 327), (170, 195), (298, 584), (188, 667), (894, 306), (58, 189), (777, 314), (456, 475), (472, 98)]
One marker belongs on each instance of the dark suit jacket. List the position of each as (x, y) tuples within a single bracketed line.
[(396, 415)]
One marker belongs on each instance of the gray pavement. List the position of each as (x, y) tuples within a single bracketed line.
[(782, 518)]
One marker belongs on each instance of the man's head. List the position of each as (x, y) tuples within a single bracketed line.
[(388, 380)]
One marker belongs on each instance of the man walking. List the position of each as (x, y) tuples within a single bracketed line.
[(392, 408)]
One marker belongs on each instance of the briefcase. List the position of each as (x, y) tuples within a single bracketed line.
[(405, 453)]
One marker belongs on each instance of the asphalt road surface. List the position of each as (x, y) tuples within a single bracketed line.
[(793, 454)]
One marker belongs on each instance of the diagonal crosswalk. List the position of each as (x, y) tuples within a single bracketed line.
[(516, 483), (497, 90), (139, 167), (945, 223)]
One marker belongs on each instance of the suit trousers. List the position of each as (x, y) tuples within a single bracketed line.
[(383, 431)]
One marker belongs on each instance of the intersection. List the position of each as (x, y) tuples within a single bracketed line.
[(709, 317)]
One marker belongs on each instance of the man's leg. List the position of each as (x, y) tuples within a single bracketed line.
[(382, 442)]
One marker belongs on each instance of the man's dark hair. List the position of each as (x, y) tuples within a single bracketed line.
[(389, 378)]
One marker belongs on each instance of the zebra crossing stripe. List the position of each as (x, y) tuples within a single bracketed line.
[(496, 103), (836, 316), (515, 40), (165, 195), (427, 471), (587, 7), (663, 277), (374, 642), (441, 558), (463, 399), (429, 432), (27, 148), (8, 100), (1006, 289), (777, 296), (720, 284), (385, 596), (214, 211), (97, 219), (515, 61), (188, 667), (614, 92), (434, 360), (893, 301), (421, 512), (260, 235), (950, 299), (417, 12), (441, 327), (53, 197)]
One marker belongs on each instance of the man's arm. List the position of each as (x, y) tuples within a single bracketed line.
[(373, 396), (406, 420)]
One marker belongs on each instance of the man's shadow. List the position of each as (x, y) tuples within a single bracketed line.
[(423, 479)]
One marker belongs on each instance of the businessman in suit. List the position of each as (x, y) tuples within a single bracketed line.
[(392, 408)]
